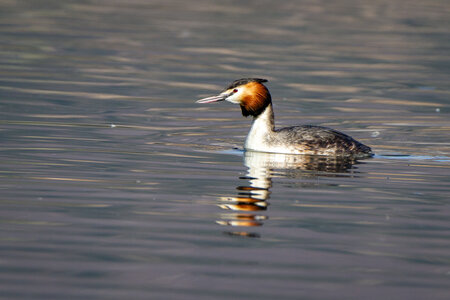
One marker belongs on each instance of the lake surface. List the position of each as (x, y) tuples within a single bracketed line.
[(114, 184)]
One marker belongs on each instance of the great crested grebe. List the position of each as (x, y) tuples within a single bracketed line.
[(255, 100)]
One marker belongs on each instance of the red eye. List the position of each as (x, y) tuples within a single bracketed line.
[(235, 91)]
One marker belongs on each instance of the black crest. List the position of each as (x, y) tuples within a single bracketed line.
[(242, 81)]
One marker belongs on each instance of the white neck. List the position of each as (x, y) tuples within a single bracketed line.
[(262, 130)]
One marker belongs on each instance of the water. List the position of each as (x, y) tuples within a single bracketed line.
[(115, 184)]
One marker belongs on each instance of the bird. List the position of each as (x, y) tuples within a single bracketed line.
[(255, 100)]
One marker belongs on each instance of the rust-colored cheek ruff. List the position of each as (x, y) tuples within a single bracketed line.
[(255, 99)]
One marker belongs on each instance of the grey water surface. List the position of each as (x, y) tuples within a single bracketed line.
[(114, 184)]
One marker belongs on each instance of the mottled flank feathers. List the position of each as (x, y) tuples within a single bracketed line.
[(319, 140)]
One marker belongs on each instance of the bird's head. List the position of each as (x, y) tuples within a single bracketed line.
[(250, 93)]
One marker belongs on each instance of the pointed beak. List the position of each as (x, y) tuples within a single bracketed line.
[(217, 98)]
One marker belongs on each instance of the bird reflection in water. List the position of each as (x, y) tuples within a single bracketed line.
[(250, 204)]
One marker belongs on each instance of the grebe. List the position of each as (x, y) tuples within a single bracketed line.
[(255, 100)]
